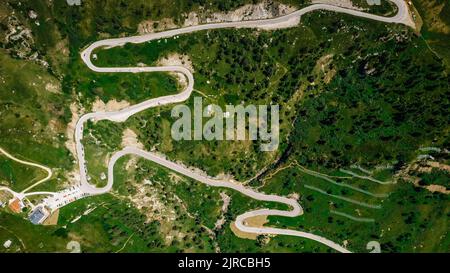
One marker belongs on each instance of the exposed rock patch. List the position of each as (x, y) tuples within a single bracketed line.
[(175, 59), (263, 10), (256, 221), (340, 3), (129, 138), (112, 105)]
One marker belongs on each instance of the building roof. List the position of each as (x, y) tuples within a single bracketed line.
[(37, 216), (7, 244), (16, 205)]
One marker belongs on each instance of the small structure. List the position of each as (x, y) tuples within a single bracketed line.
[(32, 14), (7, 244), (374, 2), (38, 215), (74, 2), (16, 205)]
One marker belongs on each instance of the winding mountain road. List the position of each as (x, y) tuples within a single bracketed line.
[(402, 17)]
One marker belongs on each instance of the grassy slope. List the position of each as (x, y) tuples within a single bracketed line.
[(112, 228), (370, 119), (436, 28), (33, 119)]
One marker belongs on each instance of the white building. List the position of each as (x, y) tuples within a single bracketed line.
[(7, 244)]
